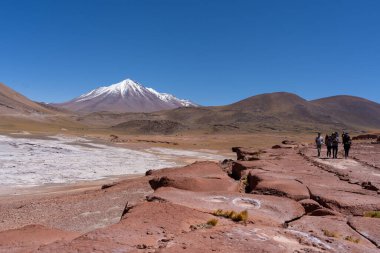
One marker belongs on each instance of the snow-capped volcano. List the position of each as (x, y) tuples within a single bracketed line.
[(125, 96)]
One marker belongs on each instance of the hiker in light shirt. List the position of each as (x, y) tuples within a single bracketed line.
[(319, 142), (335, 144)]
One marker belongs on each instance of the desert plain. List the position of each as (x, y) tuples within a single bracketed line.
[(237, 178), (187, 193)]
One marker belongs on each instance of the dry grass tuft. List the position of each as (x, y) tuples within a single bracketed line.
[(330, 233), (212, 222), (352, 239), (372, 214), (242, 216)]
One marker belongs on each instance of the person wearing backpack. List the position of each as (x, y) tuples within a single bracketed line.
[(328, 142), (346, 144), (335, 144), (319, 142)]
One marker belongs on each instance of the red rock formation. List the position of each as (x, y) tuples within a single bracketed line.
[(294, 203)]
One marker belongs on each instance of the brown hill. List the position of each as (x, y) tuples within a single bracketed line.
[(355, 110), (274, 112), (12, 102), (282, 105), (150, 126), (270, 102), (17, 112)]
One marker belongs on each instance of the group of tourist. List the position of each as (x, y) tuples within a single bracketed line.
[(332, 143)]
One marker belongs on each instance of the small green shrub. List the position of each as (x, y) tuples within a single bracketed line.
[(372, 214)]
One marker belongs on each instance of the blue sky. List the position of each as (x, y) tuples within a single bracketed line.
[(213, 52)]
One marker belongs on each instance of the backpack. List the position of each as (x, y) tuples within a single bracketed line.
[(346, 139), (335, 141), (329, 141)]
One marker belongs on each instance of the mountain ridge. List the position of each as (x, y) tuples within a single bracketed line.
[(272, 111), (279, 111)]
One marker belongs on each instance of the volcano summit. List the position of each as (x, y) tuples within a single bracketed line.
[(125, 96)]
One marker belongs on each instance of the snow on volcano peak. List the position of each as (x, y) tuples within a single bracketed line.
[(125, 96)]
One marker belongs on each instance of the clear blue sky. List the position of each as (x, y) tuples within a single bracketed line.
[(210, 51)]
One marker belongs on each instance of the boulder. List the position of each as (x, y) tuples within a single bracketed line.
[(268, 184), (199, 176), (246, 154), (196, 184), (288, 142), (197, 169), (240, 169)]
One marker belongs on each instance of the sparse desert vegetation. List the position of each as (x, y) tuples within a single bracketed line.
[(212, 222), (235, 216), (209, 224), (372, 214), (334, 234), (352, 239), (329, 233)]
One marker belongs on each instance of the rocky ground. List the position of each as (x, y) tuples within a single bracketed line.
[(283, 199)]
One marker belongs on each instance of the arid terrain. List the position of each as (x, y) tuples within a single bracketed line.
[(294, 202), (236, 178), (189, 126), (273, 113)]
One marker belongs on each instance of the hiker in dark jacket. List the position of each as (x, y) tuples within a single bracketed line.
[(335, 144), (328, 142), (346, 144)]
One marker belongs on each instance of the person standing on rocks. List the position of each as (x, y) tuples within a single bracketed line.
[(319, 142), (328, 142), (346, 144), (335, 144)]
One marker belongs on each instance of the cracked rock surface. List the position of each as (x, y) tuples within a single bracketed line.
[(294, 202)]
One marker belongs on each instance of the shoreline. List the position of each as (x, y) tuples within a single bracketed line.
[(173, 156), (52, 189)]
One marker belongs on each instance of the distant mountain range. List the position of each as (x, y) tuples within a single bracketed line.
[(277, 112), (150, 112), (125, 96)]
